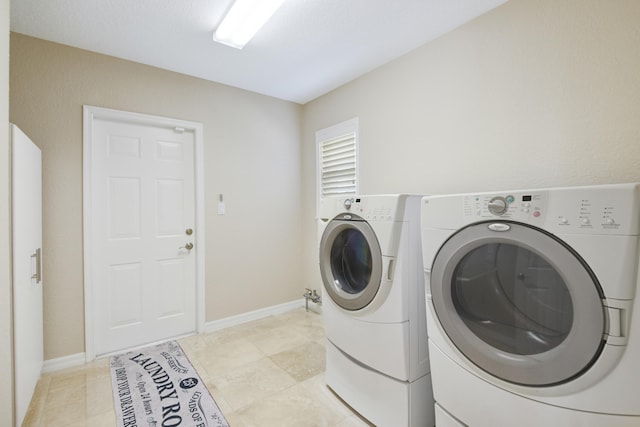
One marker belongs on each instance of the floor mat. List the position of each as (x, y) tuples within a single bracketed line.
[(158, 386)]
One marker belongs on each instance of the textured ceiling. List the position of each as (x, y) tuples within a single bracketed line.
[(308, 48)]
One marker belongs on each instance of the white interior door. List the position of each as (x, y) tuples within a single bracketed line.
[(27, 283), (143, 233)]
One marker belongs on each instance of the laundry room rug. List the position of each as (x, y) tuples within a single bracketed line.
[(158, 386)]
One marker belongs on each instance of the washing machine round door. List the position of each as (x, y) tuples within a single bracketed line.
[(350, 261), (519, 303)]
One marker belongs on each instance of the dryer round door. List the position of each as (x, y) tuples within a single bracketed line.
[(350, 262), (519, 303)]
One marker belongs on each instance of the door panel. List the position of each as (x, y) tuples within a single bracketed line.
[(27, 288), (170, 193), (125, 280), (124, 208), (171, 300), (143, 200)]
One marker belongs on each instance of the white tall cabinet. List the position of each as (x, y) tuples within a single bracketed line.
[(26, 198)]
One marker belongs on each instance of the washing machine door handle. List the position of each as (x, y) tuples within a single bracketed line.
[(390, 269), (618, 317)]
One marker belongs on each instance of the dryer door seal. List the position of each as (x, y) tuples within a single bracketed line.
[(518, 303), (350, 262)]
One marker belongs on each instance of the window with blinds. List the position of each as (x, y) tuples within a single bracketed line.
[(338, 166), (337, 159)]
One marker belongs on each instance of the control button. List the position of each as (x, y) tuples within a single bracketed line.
[(526, 205), (586, 221), (610, 221), (510, 199), (498, 205), (525, 210), (536, 214), (563, 220)]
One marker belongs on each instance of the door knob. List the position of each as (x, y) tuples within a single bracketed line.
[(188, 246)]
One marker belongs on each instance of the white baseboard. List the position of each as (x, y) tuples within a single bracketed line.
[(70, 361), (216, 325), (78, 359)]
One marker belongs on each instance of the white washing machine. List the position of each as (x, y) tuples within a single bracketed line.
[(373, 308), (530, 306)]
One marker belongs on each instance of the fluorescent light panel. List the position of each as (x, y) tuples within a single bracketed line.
[(244, 20)]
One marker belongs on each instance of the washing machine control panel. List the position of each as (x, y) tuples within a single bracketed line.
[(613, 209), (376, 208), (369, 207), (524, 207)]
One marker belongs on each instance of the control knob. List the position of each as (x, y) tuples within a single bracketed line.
[(498, 205)]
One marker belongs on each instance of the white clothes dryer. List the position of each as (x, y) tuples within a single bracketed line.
[(373, 308), (531, 309)]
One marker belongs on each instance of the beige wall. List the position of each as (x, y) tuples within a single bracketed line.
[(6, 345), (252, 155), (533, 94)]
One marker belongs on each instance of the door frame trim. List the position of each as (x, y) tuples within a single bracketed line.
[(90, 113)]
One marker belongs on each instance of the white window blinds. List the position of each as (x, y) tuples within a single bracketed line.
[(338, 165)]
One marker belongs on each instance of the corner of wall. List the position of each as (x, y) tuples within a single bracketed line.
[(6, 341)]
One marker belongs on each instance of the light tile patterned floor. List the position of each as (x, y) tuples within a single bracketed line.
[(265, 373)]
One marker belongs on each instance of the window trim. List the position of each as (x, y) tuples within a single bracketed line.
[(334, 132)]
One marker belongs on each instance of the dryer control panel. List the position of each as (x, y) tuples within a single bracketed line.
[(377, 208), (527, 207), (607, 209), (382, 207)]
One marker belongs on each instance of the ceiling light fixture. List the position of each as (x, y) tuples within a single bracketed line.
[(244, 20)]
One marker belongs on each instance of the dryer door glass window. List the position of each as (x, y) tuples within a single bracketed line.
[(511, 298), (518, 303), (350, 262)]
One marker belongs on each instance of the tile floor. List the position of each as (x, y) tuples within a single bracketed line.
[(268, 372)]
